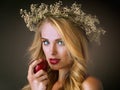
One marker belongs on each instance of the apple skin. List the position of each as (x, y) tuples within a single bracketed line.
[(42, 65)]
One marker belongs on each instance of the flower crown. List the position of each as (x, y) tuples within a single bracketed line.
[(74, 13)]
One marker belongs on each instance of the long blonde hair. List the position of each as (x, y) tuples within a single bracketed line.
[(76, 42)]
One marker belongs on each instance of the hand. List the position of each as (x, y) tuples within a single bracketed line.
[(38, 80)]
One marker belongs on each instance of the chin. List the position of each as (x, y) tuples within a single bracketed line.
[(54, 67)]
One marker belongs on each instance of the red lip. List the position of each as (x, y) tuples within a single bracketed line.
[(54, 60)]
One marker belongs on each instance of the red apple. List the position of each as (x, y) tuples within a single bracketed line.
[(42, 65)]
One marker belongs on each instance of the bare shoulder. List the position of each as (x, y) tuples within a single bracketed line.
[(92, 83)]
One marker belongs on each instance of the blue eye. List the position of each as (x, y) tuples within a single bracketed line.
[(61, 43), (45, 42)]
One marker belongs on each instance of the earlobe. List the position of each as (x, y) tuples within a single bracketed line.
[(92, 83)]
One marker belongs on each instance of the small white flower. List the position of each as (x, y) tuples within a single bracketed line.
[(74, 13)]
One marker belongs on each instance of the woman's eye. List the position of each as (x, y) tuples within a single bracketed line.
[(60, 43), (45, 42)]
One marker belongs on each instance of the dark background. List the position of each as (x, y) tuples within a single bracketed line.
[(15, 39)]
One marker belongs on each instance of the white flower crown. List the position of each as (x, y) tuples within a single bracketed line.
[(88, 22)]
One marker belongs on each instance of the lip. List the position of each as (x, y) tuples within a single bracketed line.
[(54, 61)]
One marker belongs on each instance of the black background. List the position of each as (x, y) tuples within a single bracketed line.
[(15, 38)]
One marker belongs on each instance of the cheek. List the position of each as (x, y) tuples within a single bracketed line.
[(45, 50), (63, 53), (66, 55)]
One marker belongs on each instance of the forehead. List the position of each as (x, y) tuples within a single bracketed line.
[(49, 31)]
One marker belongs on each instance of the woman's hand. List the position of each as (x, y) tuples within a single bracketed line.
[(38, 80)]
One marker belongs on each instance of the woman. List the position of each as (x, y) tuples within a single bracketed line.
[(61, 36)]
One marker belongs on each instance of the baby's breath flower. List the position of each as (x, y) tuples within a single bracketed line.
[(74, 13)]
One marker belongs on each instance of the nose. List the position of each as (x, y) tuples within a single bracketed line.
[(53, 49)]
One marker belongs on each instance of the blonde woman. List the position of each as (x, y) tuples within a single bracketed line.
[(61, 37)]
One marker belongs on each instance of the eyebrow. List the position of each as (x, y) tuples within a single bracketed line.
[(44, 38), (55, 39)]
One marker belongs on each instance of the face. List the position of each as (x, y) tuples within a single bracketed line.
[(54, 48)]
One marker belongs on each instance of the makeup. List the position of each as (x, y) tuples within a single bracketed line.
[(54, 61)]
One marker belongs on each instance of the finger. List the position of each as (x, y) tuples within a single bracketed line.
[(40, 73), (42, 78), (32, 65), (30, 62)]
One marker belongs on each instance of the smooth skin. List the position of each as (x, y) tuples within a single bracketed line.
[(54, 47)]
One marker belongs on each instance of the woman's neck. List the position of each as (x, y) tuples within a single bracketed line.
[(61, 79), (62, 75)]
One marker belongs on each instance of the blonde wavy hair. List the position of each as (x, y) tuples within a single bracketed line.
[(75, 41)]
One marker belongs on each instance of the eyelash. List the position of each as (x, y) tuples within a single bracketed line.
[(45, 42), (60, 42)]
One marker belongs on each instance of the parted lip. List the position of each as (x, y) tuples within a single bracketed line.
[(54, 60)]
